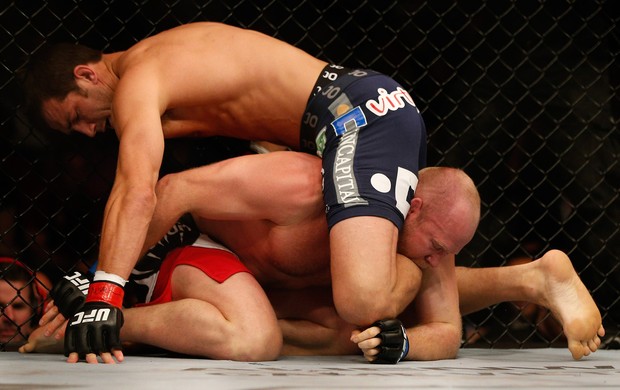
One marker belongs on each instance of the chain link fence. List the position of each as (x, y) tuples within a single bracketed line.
[(522, 95)]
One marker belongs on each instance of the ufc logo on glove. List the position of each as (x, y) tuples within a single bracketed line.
[(81, 283), (96, 315)]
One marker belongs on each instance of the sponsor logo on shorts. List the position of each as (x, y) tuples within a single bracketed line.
[(389, 101), (358, 73), (320, 141), (345, 183), (349, 121)]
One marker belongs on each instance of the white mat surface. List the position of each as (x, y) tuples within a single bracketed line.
[(547, 368)]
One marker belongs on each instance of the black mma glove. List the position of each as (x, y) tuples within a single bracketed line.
[(394, 342), (96, 327), (183, 233), (69, 293)]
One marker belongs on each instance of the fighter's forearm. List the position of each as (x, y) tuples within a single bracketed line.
[(435, 313), (434, 341), (408, 282), (126, 221)]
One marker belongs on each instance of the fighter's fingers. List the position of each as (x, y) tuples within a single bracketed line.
[(51, 311), (366, 334), (60, 333), (369, 344), (371, 355), (26, 348), (91, 358), (55, 326), (59, 325), (48, 305), (371, 352), (118, 354), (73, 357), (107, 358)]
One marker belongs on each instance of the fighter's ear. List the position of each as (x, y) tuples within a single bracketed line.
[(85, 72), (416, 205)]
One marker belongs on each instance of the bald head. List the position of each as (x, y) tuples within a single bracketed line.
[(443, 185), (450, 195)]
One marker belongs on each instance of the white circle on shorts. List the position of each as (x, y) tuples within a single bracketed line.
[(381, 183)]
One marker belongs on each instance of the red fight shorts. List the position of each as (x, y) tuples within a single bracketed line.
[(218, 264)]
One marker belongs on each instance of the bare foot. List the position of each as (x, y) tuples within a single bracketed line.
[(570, 302)]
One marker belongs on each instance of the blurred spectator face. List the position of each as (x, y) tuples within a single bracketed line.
[(16, 311)]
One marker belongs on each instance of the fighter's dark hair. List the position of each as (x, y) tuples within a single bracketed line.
[(49, 75)]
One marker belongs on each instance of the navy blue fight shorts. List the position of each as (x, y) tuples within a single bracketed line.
[(372, 139)]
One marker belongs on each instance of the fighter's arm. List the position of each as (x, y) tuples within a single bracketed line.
[(283, 187), (132, 200), (136, 111), (309, 322), (437, 333), (433, 321)]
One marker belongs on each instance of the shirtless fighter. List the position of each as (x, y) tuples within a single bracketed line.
[(443, 213), (283, 240), (285, 247), (206, 79)]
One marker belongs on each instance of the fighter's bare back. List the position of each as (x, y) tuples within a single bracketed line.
[(233, 89)]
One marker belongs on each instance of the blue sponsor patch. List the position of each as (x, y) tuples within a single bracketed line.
[(352, 119)]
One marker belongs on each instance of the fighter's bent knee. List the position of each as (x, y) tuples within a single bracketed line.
[(257, 345)]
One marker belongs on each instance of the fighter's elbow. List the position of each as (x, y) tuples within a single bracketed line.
[(365, 310), (140, 199), (452, 344), (445, 344)]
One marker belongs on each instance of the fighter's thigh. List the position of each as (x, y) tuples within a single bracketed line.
[(239, 296)]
